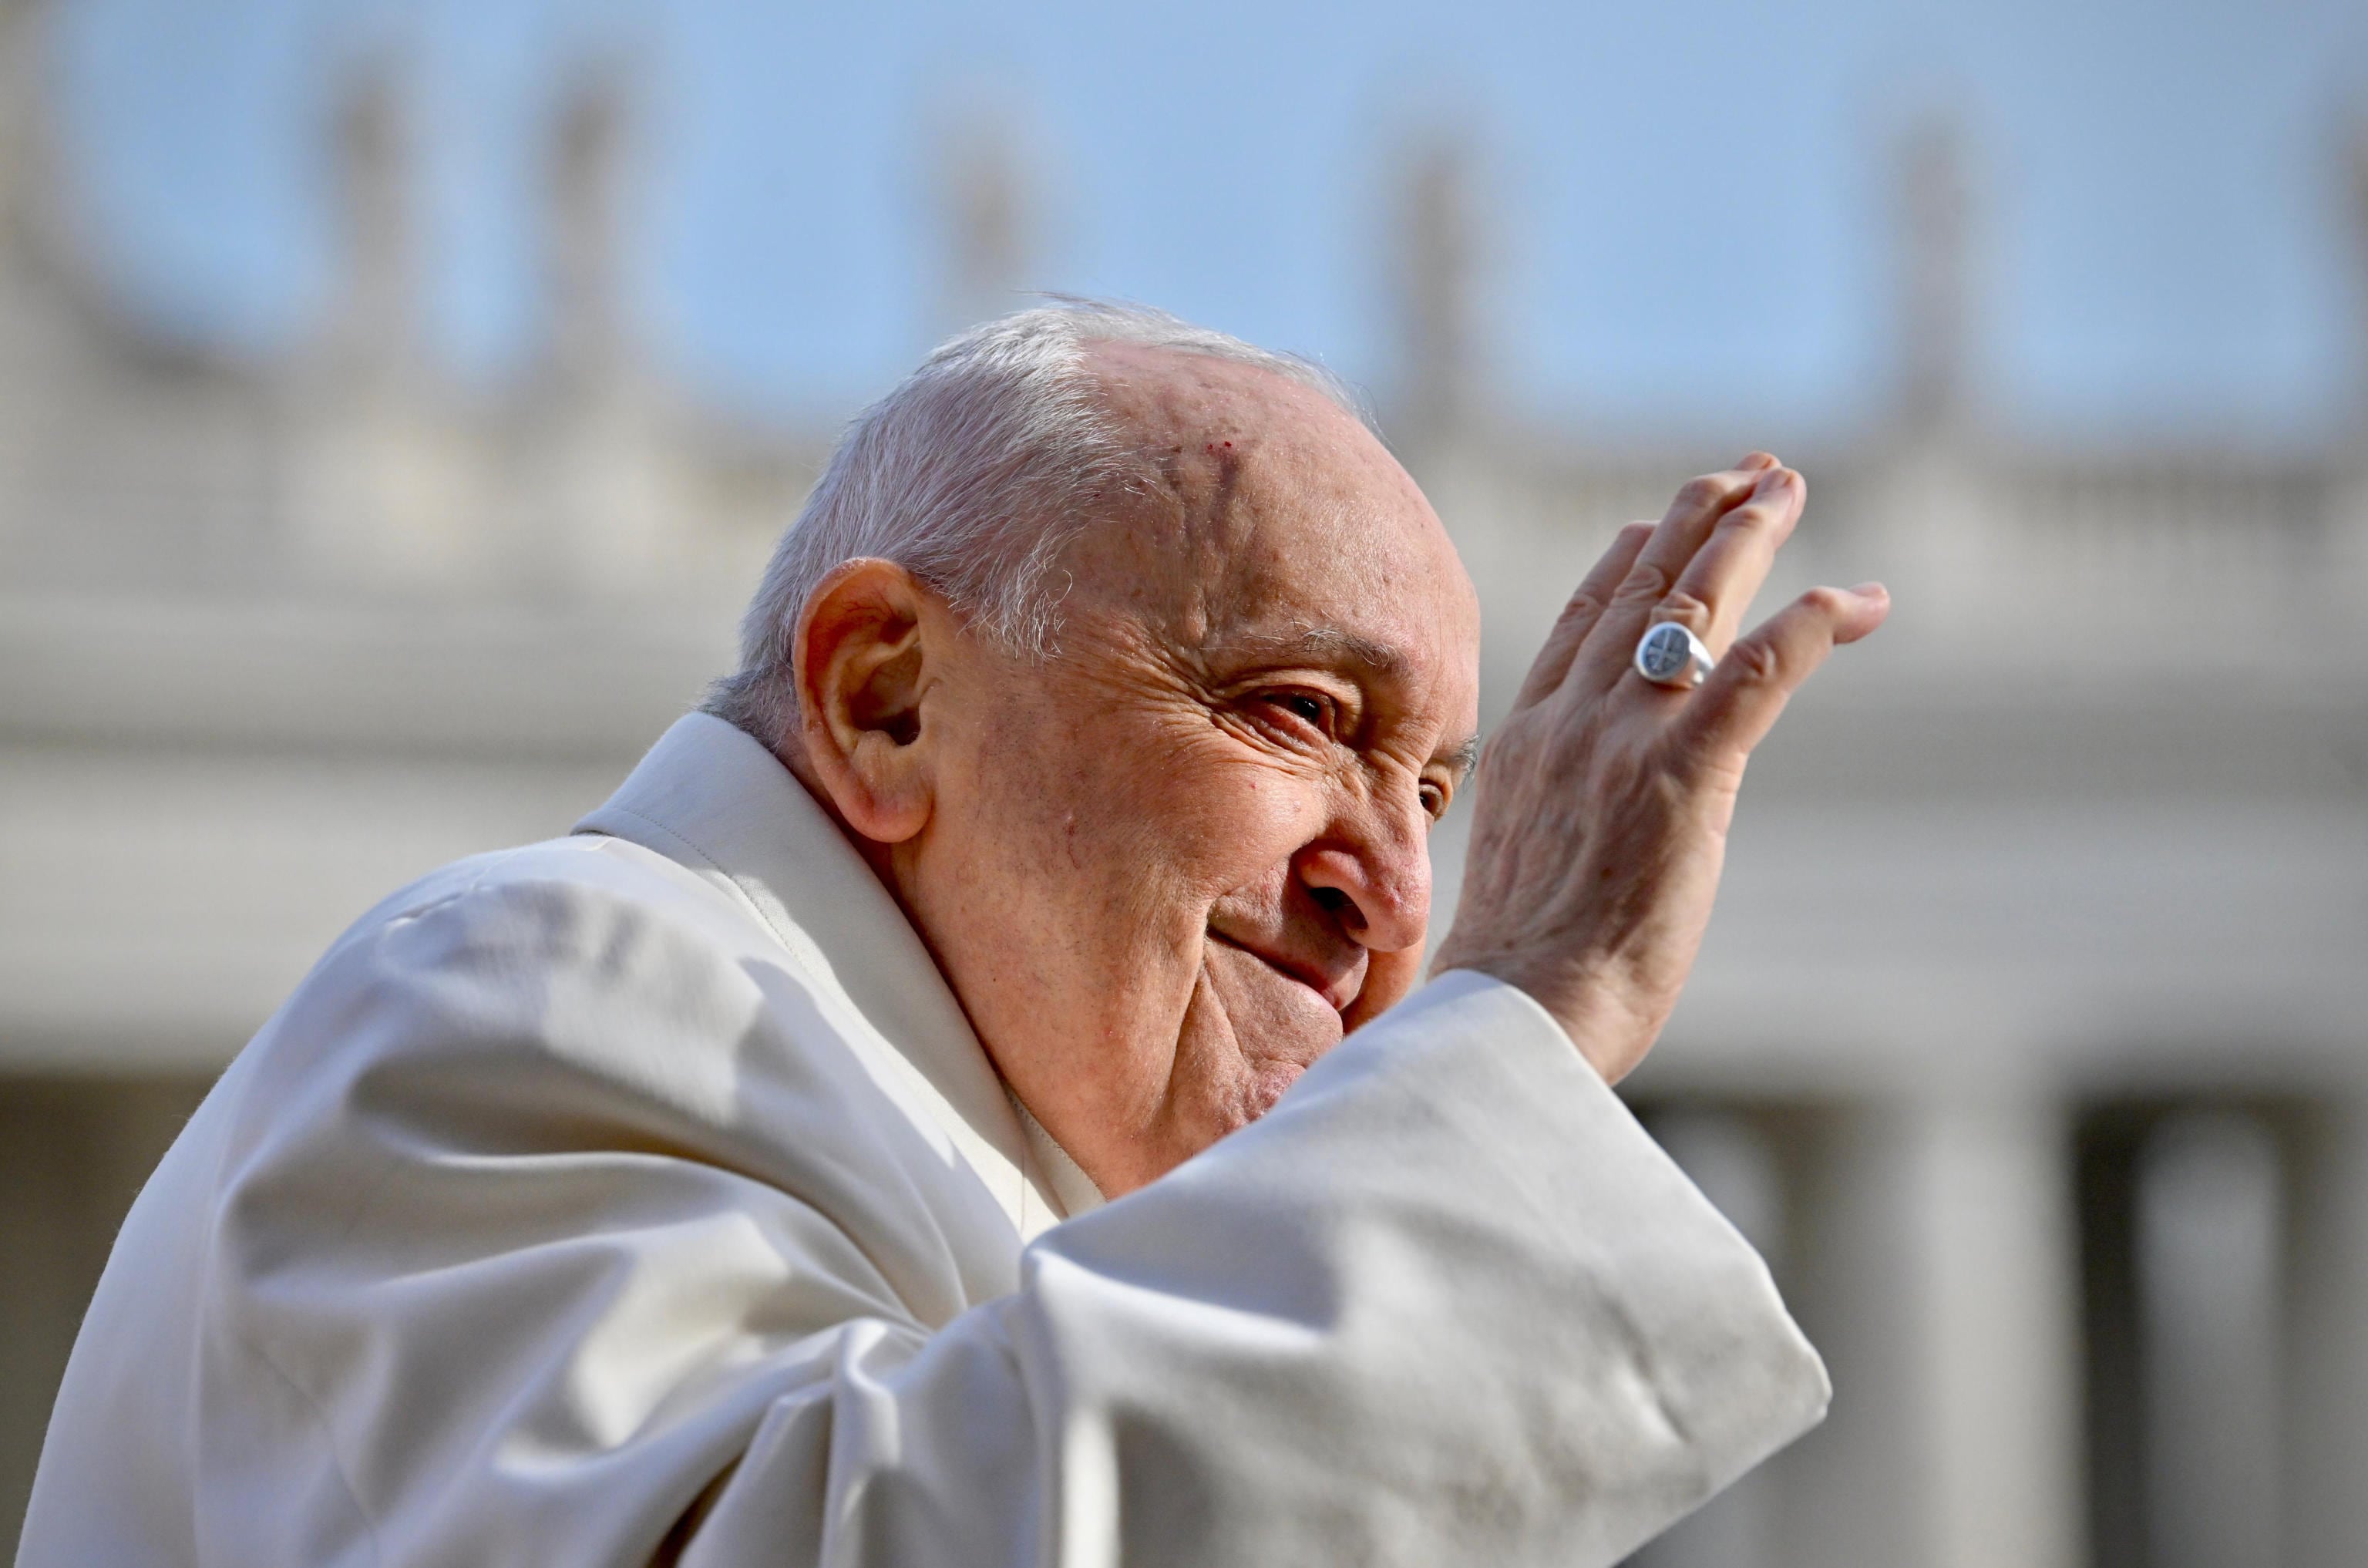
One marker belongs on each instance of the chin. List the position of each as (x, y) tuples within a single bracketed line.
[(1236, 1104), (1227, 1093), (1278, 1027), (1267, 1081)]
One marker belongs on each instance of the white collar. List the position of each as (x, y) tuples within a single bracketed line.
[(1072, 1187), (714, 799)]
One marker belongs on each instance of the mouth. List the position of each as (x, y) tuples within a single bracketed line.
[(1337, 994)]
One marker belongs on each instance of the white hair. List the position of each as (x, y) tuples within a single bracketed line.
[(974, 474)]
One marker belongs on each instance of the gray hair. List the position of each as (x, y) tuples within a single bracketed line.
[(974, 474)]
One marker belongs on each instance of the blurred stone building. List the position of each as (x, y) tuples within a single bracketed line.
[(2031, 1040)]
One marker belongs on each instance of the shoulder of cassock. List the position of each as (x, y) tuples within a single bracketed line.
[(646, 1194)]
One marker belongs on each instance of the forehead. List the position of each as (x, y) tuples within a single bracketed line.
[(1262, 514)]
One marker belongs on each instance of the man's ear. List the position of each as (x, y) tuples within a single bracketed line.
[(862, 660)]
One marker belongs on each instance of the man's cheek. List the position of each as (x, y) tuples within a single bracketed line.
[(1258, 812), (1219, 826)]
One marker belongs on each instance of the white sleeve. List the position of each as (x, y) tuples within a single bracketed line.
[(494, 1280), (1447, 1303)]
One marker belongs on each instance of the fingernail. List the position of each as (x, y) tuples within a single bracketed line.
[(1871, 591), (1756, 460)]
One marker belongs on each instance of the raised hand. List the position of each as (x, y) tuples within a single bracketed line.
[(1604, 799)]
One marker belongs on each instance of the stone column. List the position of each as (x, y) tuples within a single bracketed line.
[(2208, 1223), (1735, 1157), (74, 1153), (2327, 1341), (2000, 1316), (1936, 1261)]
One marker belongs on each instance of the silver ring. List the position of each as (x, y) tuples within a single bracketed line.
[(1670, 654)]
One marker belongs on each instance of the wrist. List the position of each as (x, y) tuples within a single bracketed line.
[(1611, 1027)]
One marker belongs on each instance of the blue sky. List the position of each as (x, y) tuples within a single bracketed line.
[(1686, 199)]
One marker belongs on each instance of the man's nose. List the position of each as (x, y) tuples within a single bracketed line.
[(1373, 873)]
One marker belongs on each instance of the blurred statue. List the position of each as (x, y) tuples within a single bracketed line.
[(1436, 310), (603, 494), (987, 210), (588, 194), (1935, 274), (375, 323), (2355, 209), (386, 470)]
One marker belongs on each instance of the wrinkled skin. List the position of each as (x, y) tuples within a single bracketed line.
[(1169, 868), (1598, 844)]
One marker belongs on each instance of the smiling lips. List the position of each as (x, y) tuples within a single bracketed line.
[(1336, 993)]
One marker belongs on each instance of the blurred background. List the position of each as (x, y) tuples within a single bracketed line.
[(396, 403)]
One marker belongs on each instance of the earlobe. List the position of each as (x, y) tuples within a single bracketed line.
[(862, 673)]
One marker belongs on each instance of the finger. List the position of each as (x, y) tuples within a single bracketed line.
[(1603, 655), (1747, 689), (1586, 602), (1718, 584)]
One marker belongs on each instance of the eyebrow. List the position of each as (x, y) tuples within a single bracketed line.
[(1465, 757), (1329, 642)]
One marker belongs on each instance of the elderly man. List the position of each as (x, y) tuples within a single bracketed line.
[(912, 1124)]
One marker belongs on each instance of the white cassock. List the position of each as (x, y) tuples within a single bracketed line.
[(644, 1196)]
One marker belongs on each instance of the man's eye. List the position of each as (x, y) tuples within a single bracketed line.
[(1310, 709), (1306, 707), (1434, 801), (1287, 712)]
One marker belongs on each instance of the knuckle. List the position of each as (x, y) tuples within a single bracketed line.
[(1827, 603), (1755, 515), (1757, 661), (1703, 490), (1646, 583), (1582, 606), (1678, 604)]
